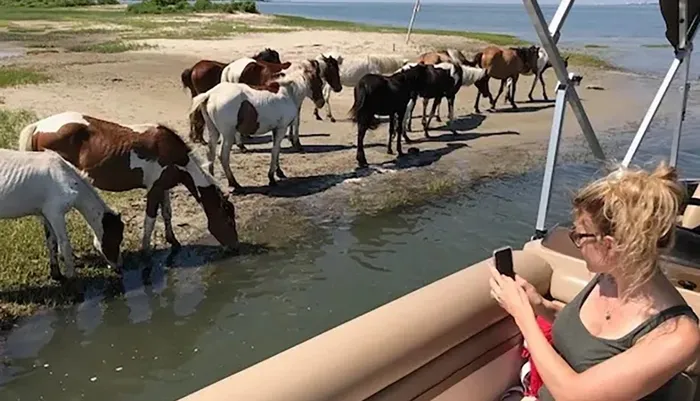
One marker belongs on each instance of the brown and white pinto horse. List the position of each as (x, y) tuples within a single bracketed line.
[(205, 74), (121, 158), (503, 64), (247, 71)]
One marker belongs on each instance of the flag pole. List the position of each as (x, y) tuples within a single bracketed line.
[(416, 7)]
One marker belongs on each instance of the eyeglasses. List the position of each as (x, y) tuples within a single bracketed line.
[(577, 237)]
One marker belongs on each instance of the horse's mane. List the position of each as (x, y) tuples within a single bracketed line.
[(82, 177)]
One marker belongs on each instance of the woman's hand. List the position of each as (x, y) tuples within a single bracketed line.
[(510, 295)]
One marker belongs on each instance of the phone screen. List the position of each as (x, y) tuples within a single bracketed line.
[(503, 258)]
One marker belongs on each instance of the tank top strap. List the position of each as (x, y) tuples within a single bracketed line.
[(583, 294), (656, 320)]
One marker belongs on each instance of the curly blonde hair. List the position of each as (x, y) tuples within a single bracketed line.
[(638, 209)]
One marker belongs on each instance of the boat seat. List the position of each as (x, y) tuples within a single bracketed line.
[(691, 214)]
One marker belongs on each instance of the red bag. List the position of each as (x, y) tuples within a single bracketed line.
[(535, 381)]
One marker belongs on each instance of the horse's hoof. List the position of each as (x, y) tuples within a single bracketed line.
[(59, 277), (318, 118), (243, 149), (390, 151), (332, 119), (281, 175), (272, 183), (174, 244)]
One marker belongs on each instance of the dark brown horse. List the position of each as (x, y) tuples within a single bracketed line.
[(121, 158), (503, 64)]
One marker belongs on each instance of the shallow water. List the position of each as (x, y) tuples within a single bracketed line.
[(197, 324)]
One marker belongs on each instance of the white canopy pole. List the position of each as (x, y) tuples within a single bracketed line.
[(416, 7)]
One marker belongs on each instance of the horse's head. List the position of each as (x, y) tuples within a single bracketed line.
[(313, 75), (112, 236), (269, 55), (331, 73), (221, 215), (529, 56)]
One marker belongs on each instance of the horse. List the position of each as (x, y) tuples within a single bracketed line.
[(502, 64), (250, 71), (442, 80), (353, 69), (443, 56), (124, 157), (234, 110), (46, 185), (327, 67), (377, 94), (205, 74), (543, 64)]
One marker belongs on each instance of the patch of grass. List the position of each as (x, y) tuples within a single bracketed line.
[(55, 3), (182, 6), (302, 22), (657, 45), (16, 76), (108, 47), (398, 192), (595, 46), (587, 60), (25, 285)]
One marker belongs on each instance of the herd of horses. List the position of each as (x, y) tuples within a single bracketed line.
[(62, 158)]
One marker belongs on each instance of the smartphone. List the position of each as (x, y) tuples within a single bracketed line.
[(503, 258)]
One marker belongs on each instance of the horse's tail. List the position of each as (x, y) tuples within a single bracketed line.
[(358, 110), (25, 138), (199, 107), (186, 79)]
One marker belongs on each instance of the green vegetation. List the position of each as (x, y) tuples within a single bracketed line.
[(15, 76), (25, 285), (587, 60), (55, 3), (108, 47), (595, 46), (657, 45), (182, 6)]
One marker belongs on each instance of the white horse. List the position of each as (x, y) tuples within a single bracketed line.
[(462, 75), (352, 69), (543, 64), (233, 110), (45, 185)]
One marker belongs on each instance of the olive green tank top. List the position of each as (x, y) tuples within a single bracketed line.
[(582, 350)]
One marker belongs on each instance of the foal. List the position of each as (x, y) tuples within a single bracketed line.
[(44, 184), (235, 110), (121, 158), (442, 80), (382, 95)]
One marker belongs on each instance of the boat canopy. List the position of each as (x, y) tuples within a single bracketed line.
[(681, 18)]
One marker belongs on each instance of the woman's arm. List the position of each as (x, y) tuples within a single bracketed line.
[(628, 376)]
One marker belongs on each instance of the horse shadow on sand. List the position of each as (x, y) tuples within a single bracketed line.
[(267, 138), (521, 109), (294, 187), (138, 269)]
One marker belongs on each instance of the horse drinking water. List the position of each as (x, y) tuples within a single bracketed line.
[(121, 158), (235, 110), (45, 185)]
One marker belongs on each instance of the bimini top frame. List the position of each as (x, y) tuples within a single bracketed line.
[(549, 35)]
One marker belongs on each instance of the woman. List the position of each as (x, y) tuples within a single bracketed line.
[(629, 332)]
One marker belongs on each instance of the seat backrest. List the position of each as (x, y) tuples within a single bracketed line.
[(691, 215)]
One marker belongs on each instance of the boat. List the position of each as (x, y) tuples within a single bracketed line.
[(449, 341)]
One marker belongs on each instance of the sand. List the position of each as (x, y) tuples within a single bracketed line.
[(144, 86)]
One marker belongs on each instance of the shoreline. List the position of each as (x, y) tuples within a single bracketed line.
[(141, 84)]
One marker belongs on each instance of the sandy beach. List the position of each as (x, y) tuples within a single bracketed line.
[(144, 85)]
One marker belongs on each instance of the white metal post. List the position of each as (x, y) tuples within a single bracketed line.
[(681, 115), (559, 18), (552, 153), (558, 64), (416, 7)]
